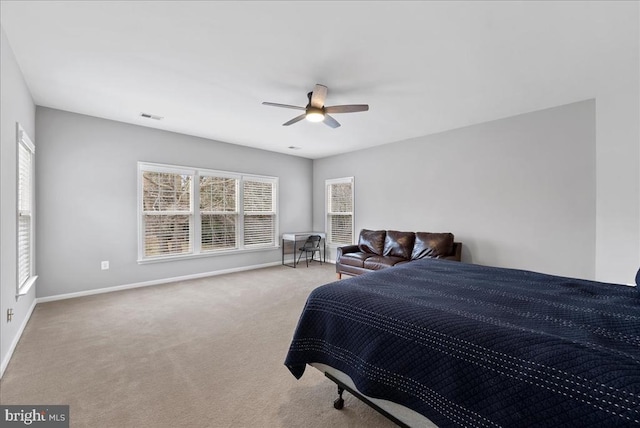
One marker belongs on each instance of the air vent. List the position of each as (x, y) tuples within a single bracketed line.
[(151, 116)]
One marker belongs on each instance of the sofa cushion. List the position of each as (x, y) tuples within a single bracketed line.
[(372, 241), (398, 244), (381, 262), (355, 259), (433, 245)]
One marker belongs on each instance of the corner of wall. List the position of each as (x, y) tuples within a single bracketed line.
[(16, 106)]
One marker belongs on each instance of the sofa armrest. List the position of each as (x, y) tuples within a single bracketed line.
[(456, 253), (345, 250)]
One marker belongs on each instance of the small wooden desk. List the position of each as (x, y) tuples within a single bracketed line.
[(296, 237)]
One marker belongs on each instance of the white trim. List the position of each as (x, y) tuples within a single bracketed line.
[(168, 169), (327, 183), (16, 339), (207, 253), (24, 288), (153, 282), (24, 138)]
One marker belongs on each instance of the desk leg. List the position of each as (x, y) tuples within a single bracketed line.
[(283, 253), (294, 253), (324, 252)]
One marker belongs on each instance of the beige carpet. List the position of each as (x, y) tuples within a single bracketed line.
[(201, 353)]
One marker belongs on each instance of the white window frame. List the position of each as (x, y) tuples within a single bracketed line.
[(196, 225), (236, 213), (328, 213), (23, 285)]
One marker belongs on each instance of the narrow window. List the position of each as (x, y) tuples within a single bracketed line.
[(339, 204), (218, 212), (26, 220), (259, 212)]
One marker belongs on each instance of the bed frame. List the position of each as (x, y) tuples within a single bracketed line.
[(400, 415)]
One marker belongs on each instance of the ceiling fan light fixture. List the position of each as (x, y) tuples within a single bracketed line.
[(314, 114)]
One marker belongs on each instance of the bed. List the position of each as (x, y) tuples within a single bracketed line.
[(455, 344)]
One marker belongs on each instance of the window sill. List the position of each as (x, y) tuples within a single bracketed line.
[(334, 245), (173, 258), (22, 291)]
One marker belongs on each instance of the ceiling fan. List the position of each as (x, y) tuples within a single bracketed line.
[(315, 111)]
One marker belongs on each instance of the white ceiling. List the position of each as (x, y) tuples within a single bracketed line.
[(206, 67)]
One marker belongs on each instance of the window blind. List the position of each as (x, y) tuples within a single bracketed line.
[(25, 227), (167, 214), (259, 212), (341, 229), (218, 212), (24, 249)]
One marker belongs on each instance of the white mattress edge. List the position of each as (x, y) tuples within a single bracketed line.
[(402, 413)]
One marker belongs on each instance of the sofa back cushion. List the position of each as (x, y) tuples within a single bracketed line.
[(434, 245), (372, 241), (399, 244)]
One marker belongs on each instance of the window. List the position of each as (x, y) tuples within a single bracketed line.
[(218, 212), (195, 212), (339, 193), (167, 212), (26, 220)]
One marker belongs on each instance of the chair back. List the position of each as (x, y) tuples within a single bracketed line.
[(313, 241)]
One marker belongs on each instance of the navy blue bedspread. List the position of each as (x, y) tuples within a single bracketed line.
[(477, 346)]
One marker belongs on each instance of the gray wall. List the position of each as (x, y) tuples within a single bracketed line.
[(618, 153), (86, 178), (518, 192), (16, 106)]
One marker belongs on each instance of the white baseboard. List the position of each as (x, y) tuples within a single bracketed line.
[(153, 282), (14, 343)]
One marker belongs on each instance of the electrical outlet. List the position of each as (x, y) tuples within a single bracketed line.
[(9, 314), (104, 265)]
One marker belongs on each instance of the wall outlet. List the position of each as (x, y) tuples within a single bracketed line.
[(104, 265), (9, 314)]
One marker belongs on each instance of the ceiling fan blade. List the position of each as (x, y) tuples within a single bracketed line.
[(352, 108), (318, 96), (283, 105), (294, 120), (329, 121)]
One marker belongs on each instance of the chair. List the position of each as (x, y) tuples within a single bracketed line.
[(311, 245)]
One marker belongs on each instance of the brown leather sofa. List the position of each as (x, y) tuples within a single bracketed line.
[(380, 249)]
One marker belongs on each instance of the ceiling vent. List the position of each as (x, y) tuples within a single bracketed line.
[(151, 116)]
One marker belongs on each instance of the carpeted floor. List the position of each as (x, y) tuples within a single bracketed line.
[(201, 353)]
